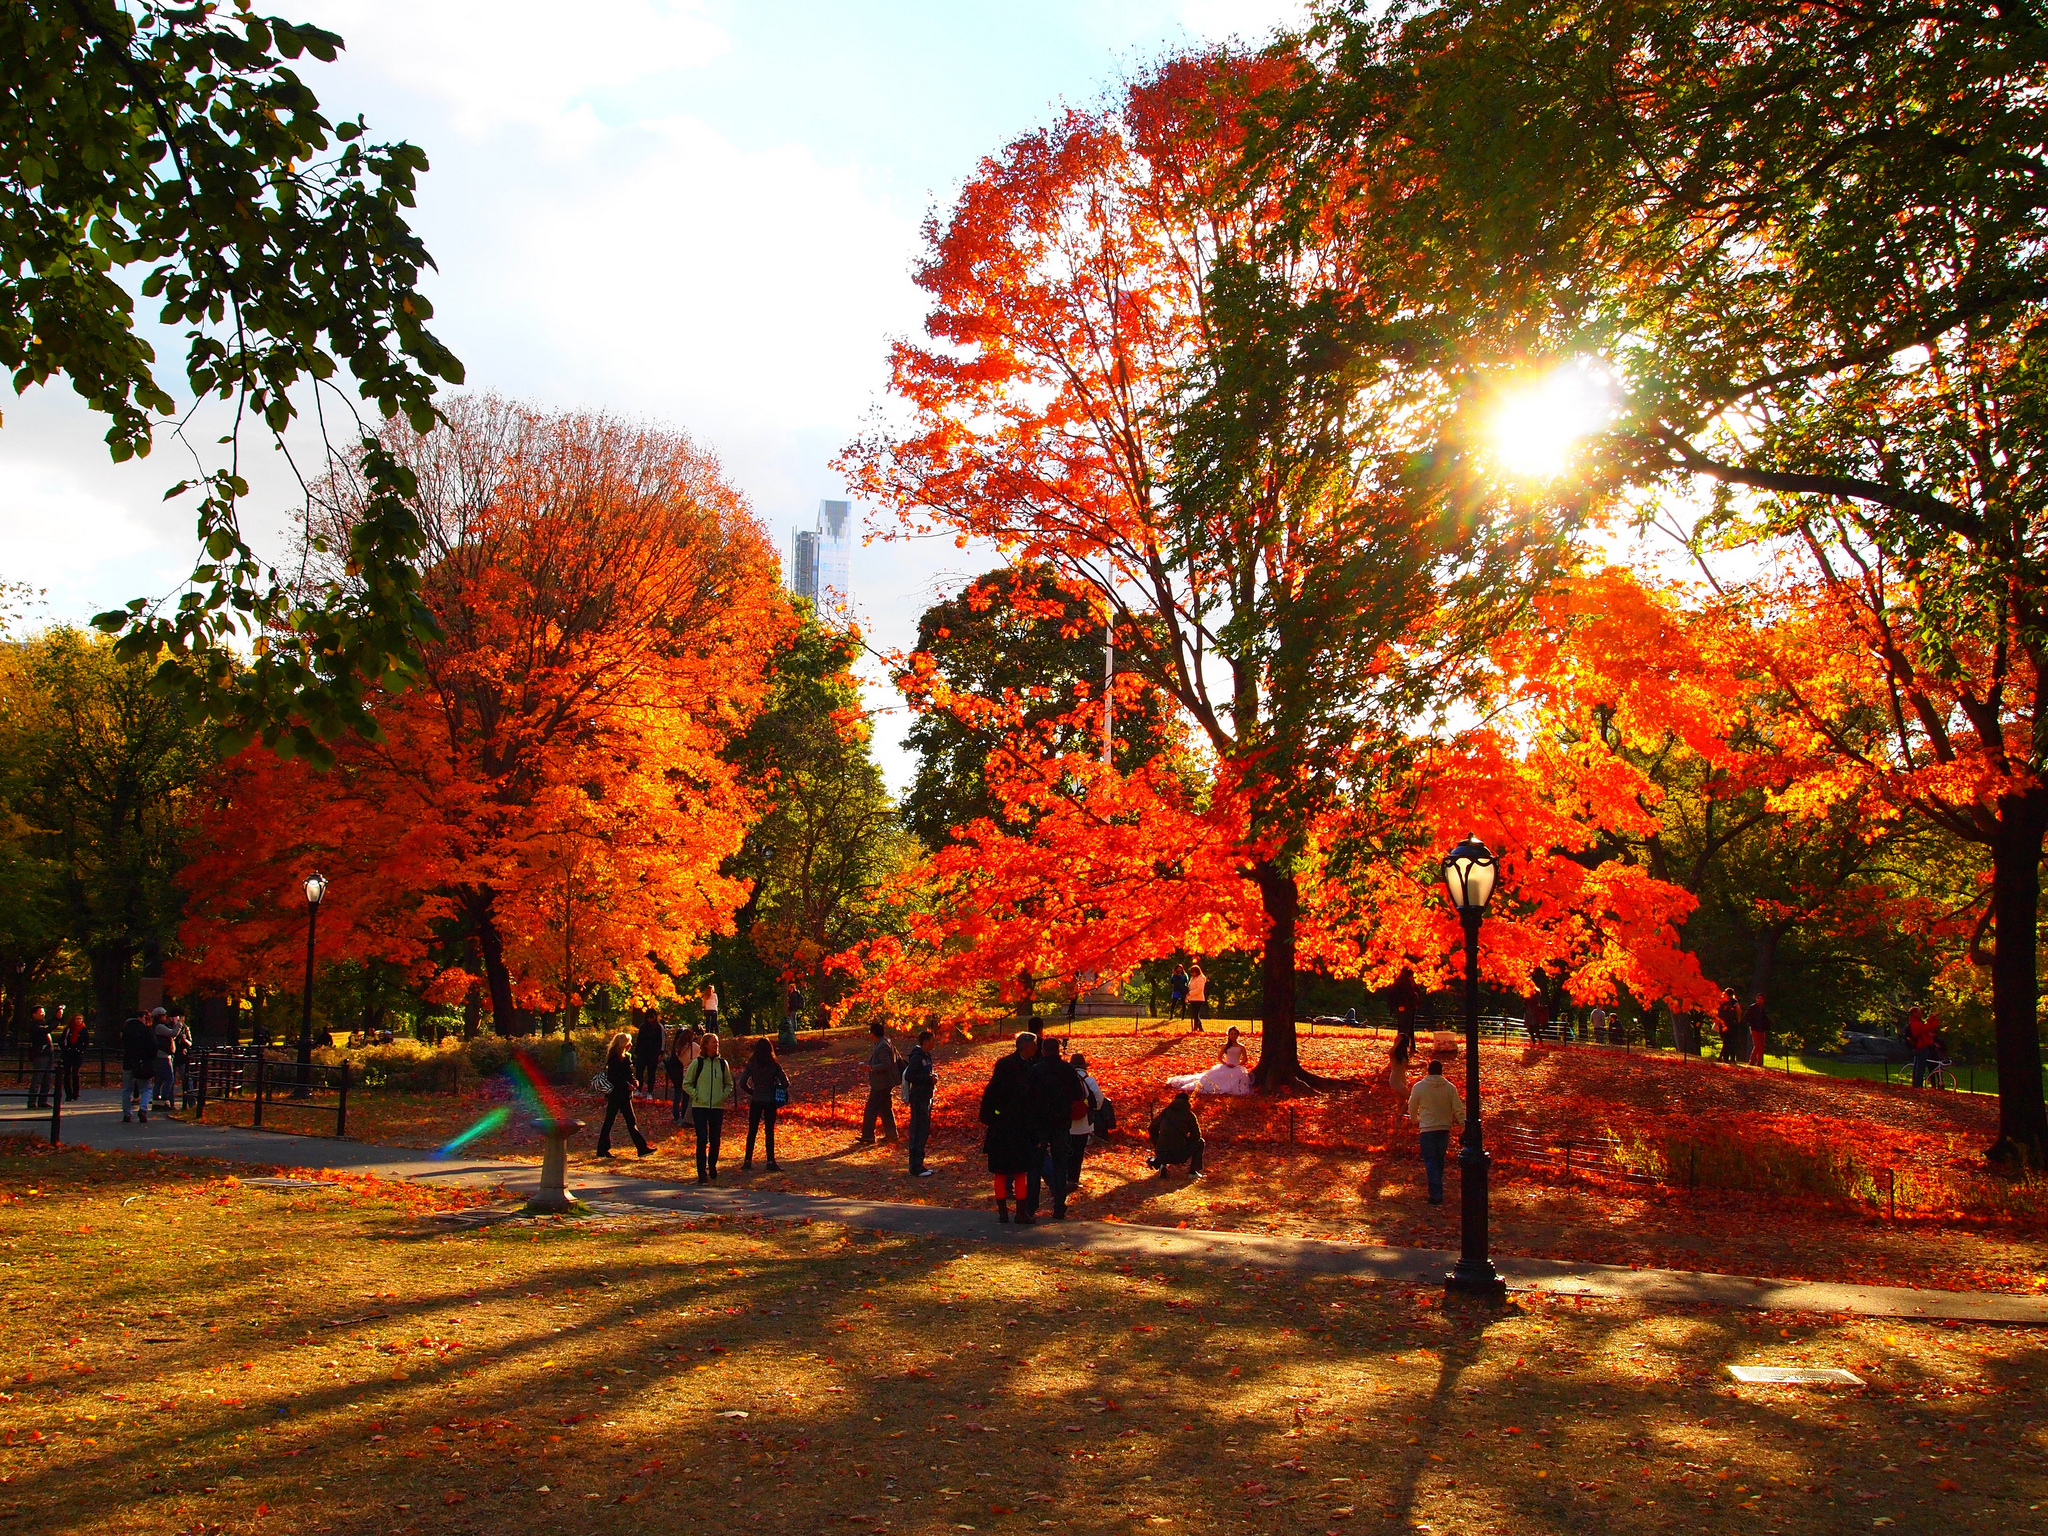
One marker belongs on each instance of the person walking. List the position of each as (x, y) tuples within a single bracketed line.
[(1728, 1025), (1397, 1075), (1437, 1110), (1758, 1025), (1056, 1095), (766, 1086), (618, 1096), (1081, 1127), (1536, 1017), (709, 1085), (647, 1047), (1404, 999), (707, 1003), (920, 1084), (42, 1050), (1198, 997), (71, 1055), (675, 1061), (138, 1069), (1006, 1112), (883, 1072), (1176, 1137), (1177, 992)]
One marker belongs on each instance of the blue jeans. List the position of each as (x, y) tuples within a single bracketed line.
[(1920, 1061), (134, 1086), (1436, 1145)]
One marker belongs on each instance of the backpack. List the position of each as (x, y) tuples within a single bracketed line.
[(1104, 1117)]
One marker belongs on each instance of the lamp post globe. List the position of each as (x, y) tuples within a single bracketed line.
[(1470, 871), (316, 891)]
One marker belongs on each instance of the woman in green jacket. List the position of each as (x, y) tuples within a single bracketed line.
[(709, 1085)]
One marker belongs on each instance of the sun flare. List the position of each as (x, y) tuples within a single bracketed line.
[(1537, 428)]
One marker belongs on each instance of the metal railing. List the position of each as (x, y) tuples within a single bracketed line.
[(272, 1083), (21, 1063)]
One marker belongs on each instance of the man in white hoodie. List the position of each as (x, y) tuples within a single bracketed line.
[(1436, 1109)]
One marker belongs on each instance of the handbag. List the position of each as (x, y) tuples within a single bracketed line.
[(602, 1083)]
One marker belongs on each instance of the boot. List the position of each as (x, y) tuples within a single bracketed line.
[(1003, 1212)]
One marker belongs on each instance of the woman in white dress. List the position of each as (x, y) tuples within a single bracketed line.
[(1229, 1075)]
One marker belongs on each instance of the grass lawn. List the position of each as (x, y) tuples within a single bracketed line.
[(1341, 1165), (192, 1354)]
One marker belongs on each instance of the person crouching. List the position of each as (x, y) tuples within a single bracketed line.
[(1176, 1138)]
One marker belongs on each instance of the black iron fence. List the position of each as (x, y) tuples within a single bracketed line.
[(271, 1084)]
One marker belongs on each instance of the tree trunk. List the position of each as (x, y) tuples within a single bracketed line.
[(2016, 902), (109, 989), (1279, 1048), (1765, 952), (504, 1017)]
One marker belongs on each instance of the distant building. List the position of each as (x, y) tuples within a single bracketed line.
[(821, 560)]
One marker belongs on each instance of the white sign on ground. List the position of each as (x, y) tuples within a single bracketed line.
[(1796, 1375)]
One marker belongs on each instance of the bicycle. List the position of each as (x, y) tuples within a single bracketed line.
[(1939, 1076)]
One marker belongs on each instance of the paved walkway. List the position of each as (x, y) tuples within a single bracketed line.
[(95, 1121)]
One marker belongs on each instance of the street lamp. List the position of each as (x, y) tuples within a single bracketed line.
[(1469, 873), (316, 887)]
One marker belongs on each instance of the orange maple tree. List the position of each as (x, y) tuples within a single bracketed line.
[(1286, 551), (551, 806)]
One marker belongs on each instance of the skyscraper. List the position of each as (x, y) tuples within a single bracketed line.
[(821, 561)]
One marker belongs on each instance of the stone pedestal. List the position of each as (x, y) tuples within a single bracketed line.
[(555, 1194)]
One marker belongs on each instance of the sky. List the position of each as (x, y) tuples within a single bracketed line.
[(696, 213)]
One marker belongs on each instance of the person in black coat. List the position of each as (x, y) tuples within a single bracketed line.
[(1054, 1090), (1006, 1109), (618, 1100), (647, 1044)]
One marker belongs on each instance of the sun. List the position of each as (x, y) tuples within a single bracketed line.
[(1536, 428)]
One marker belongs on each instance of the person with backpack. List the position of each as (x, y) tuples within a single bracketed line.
[(920, 1083), (1056, 1095), (766, 1086), (138, 1069), (883, 1071), (1008, 1141), (618, 1096), (709, 1085), (1084, 1125)]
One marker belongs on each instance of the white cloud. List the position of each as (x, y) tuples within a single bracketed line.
[(538, 62), (747, 290), (87, 549)]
